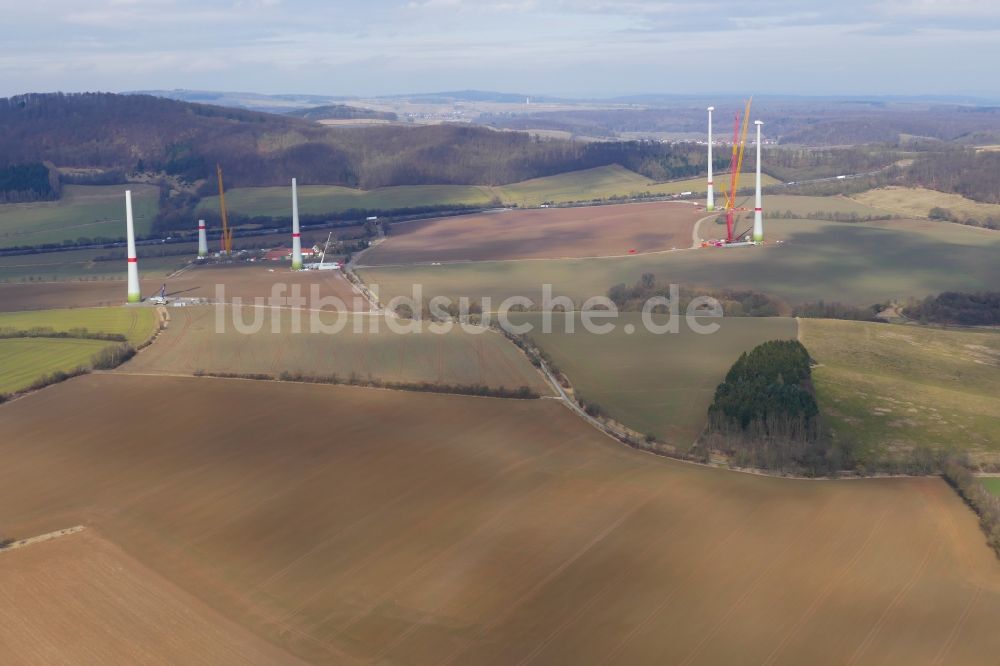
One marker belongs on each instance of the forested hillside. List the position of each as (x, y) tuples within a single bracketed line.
[(341, 112), (967, 172), (144, 133)]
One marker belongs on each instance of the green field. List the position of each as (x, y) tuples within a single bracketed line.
[(992, 484), (891, 391), (652, 383), (585, 185), (84, 211), (192, 342), (136, 323), (23, 360), (859, 263)]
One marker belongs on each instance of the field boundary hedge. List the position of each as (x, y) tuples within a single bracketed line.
[(985, 504), (479, 390)]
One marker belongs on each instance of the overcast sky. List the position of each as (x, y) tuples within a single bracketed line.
[(560, 47)]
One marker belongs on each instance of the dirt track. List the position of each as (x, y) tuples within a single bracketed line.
[(547, 233), (347, 525)]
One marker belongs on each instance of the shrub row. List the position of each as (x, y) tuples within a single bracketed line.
[(49, 332), (978, 497), (520, 393)]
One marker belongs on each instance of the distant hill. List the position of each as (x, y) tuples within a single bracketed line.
[(146, 133), (341, 112)]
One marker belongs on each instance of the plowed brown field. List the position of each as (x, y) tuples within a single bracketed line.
[(359, 526), (195, 340), (80, 600), (540, 233), (244, 281)]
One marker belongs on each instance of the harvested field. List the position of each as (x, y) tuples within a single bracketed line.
[(918, 202), (192, 343), (852, 263), (906, 391), (244, 281), (358, 526), (540, 234), (659, 384), (80, 599)]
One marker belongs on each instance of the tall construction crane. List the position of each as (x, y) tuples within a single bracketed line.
[(736, 166), (227, 233)]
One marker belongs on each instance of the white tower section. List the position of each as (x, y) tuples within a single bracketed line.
[(758, 216), (710, 202), (134, 295), (202, 239), (296, 236)]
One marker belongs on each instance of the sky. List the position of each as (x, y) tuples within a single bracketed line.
[(578, 48)]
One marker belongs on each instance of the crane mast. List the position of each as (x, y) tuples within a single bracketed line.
[(227, 233)]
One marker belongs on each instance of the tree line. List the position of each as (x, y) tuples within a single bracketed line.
[(32, 181), (734, 302), (958, 308)]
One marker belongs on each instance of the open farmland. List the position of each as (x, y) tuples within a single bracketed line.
[(245, 281), (992, 484), (84, 211), (896, 391), (23, 360), (539, 234), (357, 526), (80, 265), (191, 342), (80, 599), (659, 384), (333, 199), (93, 264), (601, 183), (586, 185), (805, 205), (836, 261), (918, 202), (137, 324)]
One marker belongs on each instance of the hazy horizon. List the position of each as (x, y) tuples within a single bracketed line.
[(562, 48)]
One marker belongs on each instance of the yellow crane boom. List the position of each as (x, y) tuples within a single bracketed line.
[(227, 233)]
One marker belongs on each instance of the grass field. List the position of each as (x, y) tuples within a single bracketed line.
[(138, 324), (836, 261), (80, 599), (357, 526), (992, 484), (23, 360), (585, 185), (191, 342), (539, 234), (660, 384), (918, 202), (86, 211), (893, 389), (804, 205)]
